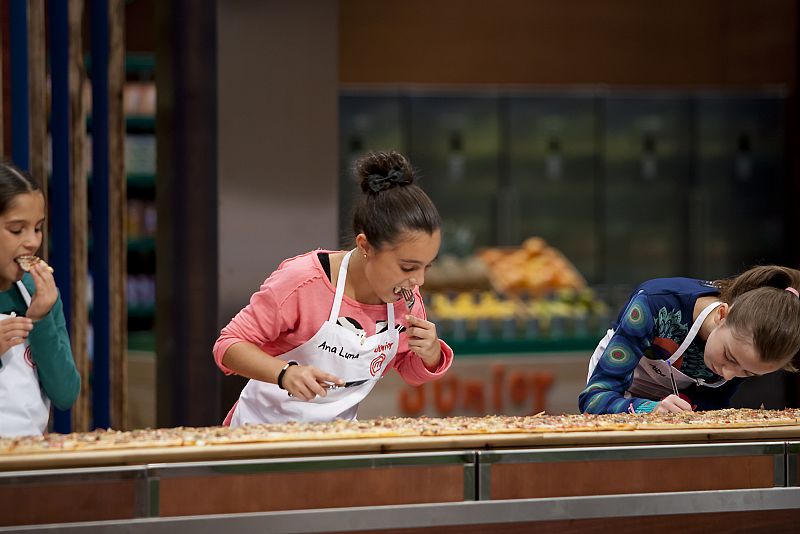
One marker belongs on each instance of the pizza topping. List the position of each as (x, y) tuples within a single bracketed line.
[(396, 427)]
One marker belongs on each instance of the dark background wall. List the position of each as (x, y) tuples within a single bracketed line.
[(616, 42)]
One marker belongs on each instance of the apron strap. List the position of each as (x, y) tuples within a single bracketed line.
[(390, 315), (337, 299), (693, 331), (25, 294)]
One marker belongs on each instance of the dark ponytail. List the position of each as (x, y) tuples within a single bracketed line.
[(391, 203)]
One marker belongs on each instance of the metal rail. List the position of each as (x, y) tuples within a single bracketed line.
[(427, 516)]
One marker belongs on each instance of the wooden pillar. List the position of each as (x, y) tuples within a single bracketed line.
[(5, 88), (37, 91), (793, 190), (118, 262), (186, 200), (3, 61), (79, 220)]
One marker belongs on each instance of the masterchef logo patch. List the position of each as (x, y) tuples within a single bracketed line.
[(28, 357), (376, 363)]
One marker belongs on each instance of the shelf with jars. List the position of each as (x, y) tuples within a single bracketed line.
[(139, 106)]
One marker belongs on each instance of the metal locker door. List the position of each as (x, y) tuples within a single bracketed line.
[(646, 152), (455, 142), (552, 146), (738, 211), (367, 122)]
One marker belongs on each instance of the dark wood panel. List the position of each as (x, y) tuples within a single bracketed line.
[(118, 250), (63, 503), (79, 216), (316, 489), (37, 94), (561, 479), (625, 42), (187, 148), (5, 84)]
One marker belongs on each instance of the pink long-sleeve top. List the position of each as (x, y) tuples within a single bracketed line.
[(294, 302)]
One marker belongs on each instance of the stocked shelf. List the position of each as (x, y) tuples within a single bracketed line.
[(134, 63), (141, 180), (140, 310), (141, 244), (523, 299), (133, 124), (139, 102), (143, 341), (137, 244), (140, 124)]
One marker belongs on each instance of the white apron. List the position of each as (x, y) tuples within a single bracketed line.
[(333, 349), (651, 377), (24, 407)]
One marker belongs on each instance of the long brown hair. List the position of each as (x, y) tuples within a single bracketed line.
[(391, 202), (761, 306)]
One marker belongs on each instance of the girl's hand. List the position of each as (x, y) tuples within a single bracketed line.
[(422, 339), (673, 403), (46, 292), (305, 381), (14, 331)]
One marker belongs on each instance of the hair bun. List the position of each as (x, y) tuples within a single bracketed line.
[(380, 171)]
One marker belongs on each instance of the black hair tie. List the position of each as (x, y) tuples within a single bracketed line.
[(378, 182)]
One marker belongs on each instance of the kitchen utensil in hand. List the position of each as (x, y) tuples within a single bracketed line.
[(350, 384), (672, 379), (408, 296)]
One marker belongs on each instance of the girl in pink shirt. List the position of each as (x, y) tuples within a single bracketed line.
[(326, 325)]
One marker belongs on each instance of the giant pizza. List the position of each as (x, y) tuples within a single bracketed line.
[(396, 427)]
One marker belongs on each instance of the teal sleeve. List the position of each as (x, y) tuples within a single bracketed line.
[(646, 406), (613, 375), (52, 354)]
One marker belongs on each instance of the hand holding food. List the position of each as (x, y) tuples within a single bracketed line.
[(28, 262), (46, 292)]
